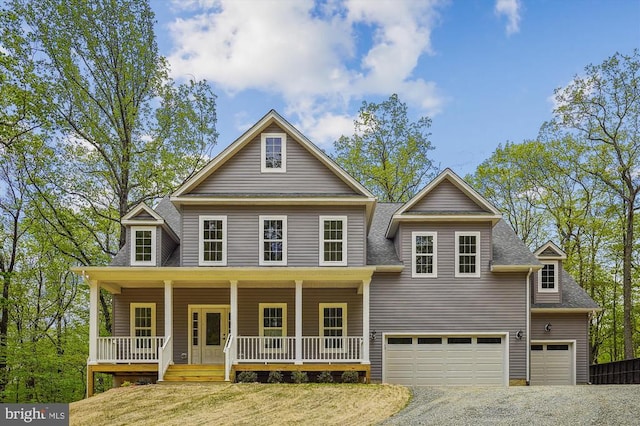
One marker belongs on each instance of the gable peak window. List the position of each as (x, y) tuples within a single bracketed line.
[(273, 240), (143, 245), (548, 277), (333, 240), (467, 254), (273, 153), (213, 241), (424, 254)]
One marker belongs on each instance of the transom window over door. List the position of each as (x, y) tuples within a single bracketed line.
[(424, 254), (213, 241), (273, 240), (143, 325), (143, 241), (548, 277), (273, 323), (333, 240), (467, 254), (333, 324), (274, 152)]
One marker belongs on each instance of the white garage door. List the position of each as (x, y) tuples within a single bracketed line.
[(444, 360), (552, 364)]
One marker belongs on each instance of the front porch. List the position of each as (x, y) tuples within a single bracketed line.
[(270, 320)]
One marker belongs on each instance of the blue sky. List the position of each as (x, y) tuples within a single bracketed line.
[(483, 70)]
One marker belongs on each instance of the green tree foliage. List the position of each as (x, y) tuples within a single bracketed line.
[(387, 153)]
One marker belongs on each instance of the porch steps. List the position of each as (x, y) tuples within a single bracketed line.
[(194, 373)]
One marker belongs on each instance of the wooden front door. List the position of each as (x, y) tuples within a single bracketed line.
[(208, 327)]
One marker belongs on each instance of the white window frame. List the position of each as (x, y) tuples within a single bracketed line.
[(135, 262), (556, 267), (133, 328), (475, 274), (322, 261), (283, 345), (414, 254), (261, 260), (263, 153), (321, 327), (201, 241)]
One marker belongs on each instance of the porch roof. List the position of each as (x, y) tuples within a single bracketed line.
[(114, 278)]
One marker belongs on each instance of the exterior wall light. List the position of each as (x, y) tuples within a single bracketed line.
[(547, 327), (372, 335), (519, 335)]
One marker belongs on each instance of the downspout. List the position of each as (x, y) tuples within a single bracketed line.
[(528, 325)]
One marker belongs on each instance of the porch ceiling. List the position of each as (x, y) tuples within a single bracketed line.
[(115, 278)]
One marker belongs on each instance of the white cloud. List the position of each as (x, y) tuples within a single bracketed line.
[(510, 9), (315, 55)]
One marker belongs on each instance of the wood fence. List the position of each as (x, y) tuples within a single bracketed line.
[(615, 373)]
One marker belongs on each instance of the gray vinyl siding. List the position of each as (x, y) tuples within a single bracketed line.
[(304, 173), (495, 302), (122, 308), (249, 300), (546, 297), (302, 233), (167, 246), (566, 327), (446, 197)]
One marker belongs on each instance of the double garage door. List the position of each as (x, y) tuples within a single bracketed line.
[(552, 363), (445, 360)]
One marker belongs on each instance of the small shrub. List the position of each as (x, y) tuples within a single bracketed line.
[(247, 377), (299, 377), (275, 377), (325, 377), (125, 384), (350, 377)]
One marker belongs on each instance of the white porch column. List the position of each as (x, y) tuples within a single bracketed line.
[(298, 322), (168, 308), (234, 318), (365, 321), (94, 292)]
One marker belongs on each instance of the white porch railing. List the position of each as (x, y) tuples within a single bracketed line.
[(129, 349), (165, 357), (227, 357), (314, 349)]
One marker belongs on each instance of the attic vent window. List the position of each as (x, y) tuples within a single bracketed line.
[(274, 153)]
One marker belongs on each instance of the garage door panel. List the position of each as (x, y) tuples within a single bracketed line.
[(551, 364)]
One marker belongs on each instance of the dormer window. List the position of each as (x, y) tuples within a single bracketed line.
[(143, 245), (548, 278), (274, 153)]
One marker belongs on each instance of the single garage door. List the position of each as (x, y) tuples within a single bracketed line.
[(445, 360), (552, 364)]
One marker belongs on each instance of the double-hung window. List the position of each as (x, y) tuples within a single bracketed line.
[(333, 240), (273, 324), (548, 277), (273, 240), (143, 326), (424, 254), (273, 153), (467, 254), (333, 325), (143, 245), (213, 241)]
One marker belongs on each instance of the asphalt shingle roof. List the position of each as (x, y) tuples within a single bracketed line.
[(380, 249), (508, 248), (573, 296)]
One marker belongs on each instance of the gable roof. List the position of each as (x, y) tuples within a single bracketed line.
[(272, 117), (486, 210), (142, 209), (549, 250), (574, 298)]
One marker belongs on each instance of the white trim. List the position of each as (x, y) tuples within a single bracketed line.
[(434, 255), (561, 342), (298, 308), (261, 260), (94, 292), (556, 275), (366, 311), (321, 328), (502, 334), (560, 255), (201, 261), (283, 152), (475, 274), (321, 260), (132, 246), (128, 218)]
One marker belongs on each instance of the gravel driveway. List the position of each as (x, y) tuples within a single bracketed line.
[(520, 405)]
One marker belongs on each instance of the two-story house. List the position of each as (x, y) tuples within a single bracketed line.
[(273, 258)]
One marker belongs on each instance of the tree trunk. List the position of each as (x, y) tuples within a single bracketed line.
[(4, 327), (626, 282)]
